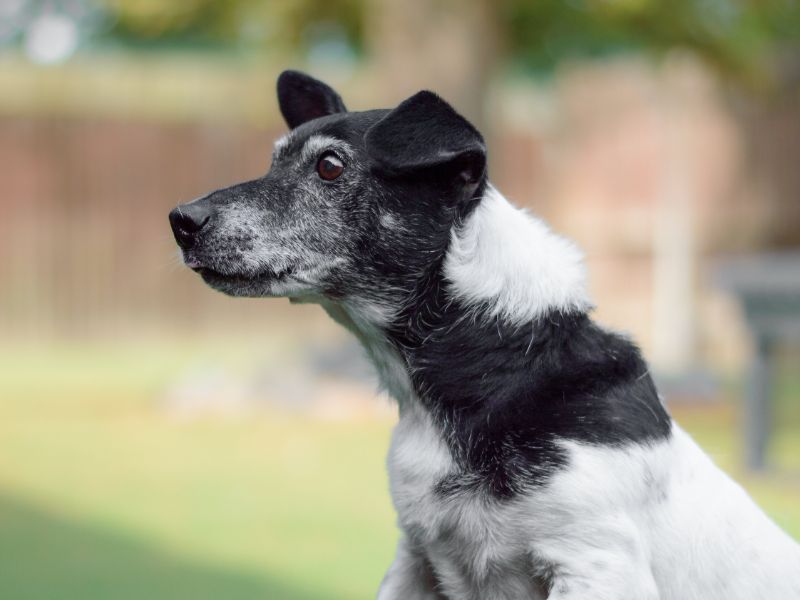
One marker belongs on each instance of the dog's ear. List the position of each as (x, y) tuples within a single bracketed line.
[(424, 132), (302, 98)]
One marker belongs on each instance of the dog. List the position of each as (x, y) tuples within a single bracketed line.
[(533, 457)]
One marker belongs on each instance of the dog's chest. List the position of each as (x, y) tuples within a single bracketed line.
[(468, 539), (418, 460)]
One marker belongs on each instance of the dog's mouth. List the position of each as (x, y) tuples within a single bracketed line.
[(293, 280), (212, 276)]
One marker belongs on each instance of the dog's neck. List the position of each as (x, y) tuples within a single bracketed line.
[(508, 264), (502, 266), (361, 319), (497, 347)]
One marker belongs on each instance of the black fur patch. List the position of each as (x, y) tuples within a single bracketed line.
[(505, 395), (425, 133)]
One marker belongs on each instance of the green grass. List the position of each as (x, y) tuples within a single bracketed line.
[(103, 494), (101, 490)]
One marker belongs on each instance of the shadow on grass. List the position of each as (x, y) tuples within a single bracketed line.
[(46, 557)]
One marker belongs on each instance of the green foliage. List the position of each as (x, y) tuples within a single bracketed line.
[(273, 24), (188, 20), (737, 36)]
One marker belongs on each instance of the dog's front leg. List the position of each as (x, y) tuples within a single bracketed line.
[(410, 577), (601, 580), (585, 588)]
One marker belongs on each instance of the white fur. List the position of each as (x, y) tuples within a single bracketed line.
[(643, 522), (511, 262), (280, 145), (469, 544), (312, 147), (391, 221), (658, 521), (364, 319), (317, 144), (275, 251)]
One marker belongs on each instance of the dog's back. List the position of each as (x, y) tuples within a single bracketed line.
[(712, 541)]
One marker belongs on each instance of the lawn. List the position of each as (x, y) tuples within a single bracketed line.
[(104, 494)]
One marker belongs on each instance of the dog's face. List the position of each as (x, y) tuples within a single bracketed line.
[(355, 204)]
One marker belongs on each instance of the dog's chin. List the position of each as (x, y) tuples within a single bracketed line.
[(268, 284)]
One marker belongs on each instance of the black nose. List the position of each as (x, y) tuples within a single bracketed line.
[(187, 220)]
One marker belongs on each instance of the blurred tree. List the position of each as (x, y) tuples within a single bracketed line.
[(753, 44), (455, 46), (741, 38), (450, 46), (277, 25)]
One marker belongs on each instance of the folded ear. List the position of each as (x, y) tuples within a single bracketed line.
[(425, 132), (303, 98)]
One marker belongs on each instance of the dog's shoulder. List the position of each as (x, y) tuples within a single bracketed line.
[(505, 358), (505, 397)]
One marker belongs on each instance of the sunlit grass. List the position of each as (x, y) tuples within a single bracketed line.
[(85, 442), (103, 493)]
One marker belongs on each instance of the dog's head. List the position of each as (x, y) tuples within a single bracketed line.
[(355, 204)]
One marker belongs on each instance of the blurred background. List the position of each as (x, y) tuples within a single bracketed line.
[(158, 440)]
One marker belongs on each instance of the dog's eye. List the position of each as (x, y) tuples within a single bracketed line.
[(330, 167)]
